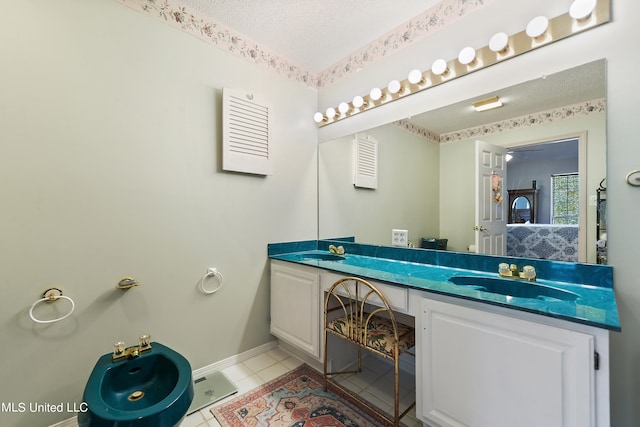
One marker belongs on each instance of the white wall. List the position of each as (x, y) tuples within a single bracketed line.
[(97, 106), (406, 197), (110, 167), (609, 41)]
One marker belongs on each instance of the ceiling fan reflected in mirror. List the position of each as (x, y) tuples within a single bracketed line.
[(551, 150), (512, 152)]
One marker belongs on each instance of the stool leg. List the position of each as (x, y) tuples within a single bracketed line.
[(396, 390), (325, 361)]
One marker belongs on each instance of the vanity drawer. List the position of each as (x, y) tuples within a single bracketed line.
[(397, 296)]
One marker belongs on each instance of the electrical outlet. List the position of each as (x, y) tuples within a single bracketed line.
[(399, 237)]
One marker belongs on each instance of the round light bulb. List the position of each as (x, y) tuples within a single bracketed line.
[(499, 42), (318, 117), (343, 108), (582, 9), (394, 86), (537, 26), (375, 94), (331, 112), (467, 55), (358, 101), (415, 77), (439, 67)]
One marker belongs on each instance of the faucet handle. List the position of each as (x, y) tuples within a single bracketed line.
[(503, 269), (528, 272), (118, 348), (145, 340)]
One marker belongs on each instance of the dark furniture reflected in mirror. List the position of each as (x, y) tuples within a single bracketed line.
[(523, 206)]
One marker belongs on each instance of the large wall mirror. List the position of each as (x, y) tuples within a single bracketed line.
[(553, 130)]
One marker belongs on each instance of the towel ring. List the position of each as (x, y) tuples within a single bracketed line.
[(211, 272), (633, 178), (51, 295)]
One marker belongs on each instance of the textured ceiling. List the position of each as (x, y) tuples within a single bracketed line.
[(314, 34), (575, 85)]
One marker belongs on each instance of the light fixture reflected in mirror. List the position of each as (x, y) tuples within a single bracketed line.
[(319, 118), (488, 104), (331, 113)]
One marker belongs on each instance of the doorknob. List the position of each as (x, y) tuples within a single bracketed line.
[(479, 228)]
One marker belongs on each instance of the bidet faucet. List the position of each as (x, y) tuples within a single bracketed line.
[(120, 352)]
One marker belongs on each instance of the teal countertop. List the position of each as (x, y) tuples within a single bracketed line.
[(427, 270)]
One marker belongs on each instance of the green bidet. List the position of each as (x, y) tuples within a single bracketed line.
[(153, 389)]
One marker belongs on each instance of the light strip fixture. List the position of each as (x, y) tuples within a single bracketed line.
[(488, 104), (582, 16)]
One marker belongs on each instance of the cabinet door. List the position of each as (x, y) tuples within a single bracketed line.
[(294, 307), (481, 369)]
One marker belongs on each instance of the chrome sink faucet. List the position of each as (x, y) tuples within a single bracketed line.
[(511, 271)]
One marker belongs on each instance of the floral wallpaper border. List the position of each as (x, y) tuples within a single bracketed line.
[(554, 115), (444, 13), (418, 130), (217, 34)]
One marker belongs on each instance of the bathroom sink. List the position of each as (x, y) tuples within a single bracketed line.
[(151, 390), (322, 257), (514, 288)]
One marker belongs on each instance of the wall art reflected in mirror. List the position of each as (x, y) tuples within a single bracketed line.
[(552, 131)]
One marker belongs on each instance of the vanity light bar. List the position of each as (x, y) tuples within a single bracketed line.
[(583, 15)]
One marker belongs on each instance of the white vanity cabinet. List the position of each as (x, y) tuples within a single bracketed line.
[(295, 311), (476, 364), (484, 369), (297, 303)]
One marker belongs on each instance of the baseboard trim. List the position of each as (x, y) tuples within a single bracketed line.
[(235, 359)]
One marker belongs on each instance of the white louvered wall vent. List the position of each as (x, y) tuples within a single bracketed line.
[(246, 143), (365, 161)]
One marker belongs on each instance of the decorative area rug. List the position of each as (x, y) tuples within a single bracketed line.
[(296, 399)]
